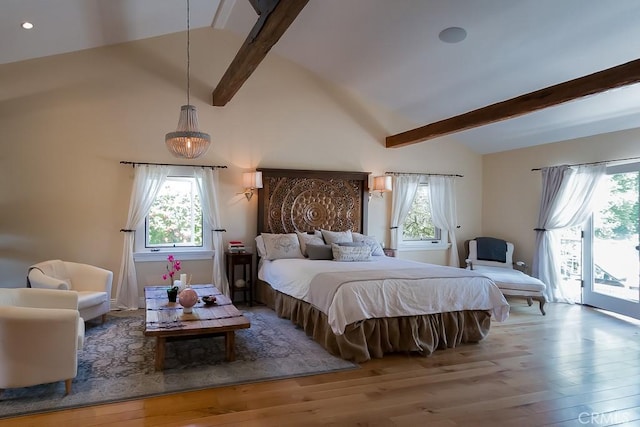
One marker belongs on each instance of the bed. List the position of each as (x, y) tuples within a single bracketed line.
[(367, 307)]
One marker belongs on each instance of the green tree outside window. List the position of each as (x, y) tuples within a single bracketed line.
[(418, 224), (175, 218)]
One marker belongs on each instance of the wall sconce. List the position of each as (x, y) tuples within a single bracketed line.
[(381, 184), (251, 181)]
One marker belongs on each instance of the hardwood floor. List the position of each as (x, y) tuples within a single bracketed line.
[(576, 366)]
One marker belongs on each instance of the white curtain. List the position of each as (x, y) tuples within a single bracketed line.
[(147, 182), (404, 191), (567, 196), (207, 180), (442, 198)]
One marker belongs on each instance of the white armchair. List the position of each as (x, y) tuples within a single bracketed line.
[(93, 284), (510, 281), (41, 332)]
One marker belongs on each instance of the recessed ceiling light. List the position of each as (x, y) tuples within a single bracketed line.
[(453, 35), (27, 25)]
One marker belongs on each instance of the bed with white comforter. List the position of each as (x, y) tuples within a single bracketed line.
[(363, 309)]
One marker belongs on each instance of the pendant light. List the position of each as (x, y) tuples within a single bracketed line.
[(187, 141)]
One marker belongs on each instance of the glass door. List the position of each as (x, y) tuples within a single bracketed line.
[(611, 257), (571, 263)]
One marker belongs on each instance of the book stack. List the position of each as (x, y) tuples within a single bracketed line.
[(236, 247)]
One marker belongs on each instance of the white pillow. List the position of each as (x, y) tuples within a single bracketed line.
[(337, 236), (376, 248), (306, 238), (280, 246), (262, 251), (351, 253)]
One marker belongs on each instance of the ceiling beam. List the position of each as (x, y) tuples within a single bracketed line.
[(275, 17), (601, 81)]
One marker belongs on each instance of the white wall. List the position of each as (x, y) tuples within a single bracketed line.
[(68, 120)]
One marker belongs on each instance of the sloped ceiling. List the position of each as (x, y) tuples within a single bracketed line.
[(389, 52)]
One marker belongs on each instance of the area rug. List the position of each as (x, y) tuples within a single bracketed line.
[(117, 363)]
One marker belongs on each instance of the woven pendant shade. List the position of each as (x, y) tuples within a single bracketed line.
[(187, 141)]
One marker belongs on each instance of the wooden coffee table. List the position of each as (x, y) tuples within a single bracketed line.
[(165, 320)]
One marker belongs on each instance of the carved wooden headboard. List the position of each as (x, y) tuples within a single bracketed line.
[(306, 200)]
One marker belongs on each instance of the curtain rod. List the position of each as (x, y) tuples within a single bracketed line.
[(170, 164), (596, 163), (424, 174)]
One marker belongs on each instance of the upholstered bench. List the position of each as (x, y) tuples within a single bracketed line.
[(510, 281)]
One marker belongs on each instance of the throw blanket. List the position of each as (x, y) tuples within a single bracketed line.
[(54, 269), (346, 297), (491, 249), (324, 286)]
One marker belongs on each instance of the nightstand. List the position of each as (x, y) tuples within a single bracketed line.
[(389, 252), (245, 261)]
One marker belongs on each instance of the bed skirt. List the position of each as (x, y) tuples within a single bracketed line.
[(372, 338)]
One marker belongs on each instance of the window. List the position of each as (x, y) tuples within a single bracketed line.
[(418, 230), (174, 223), (175, 218)]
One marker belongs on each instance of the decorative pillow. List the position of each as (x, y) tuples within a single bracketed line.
[(262, 251), (376, 248), (351, 253), (306, 238), (336, 236), (351, 244), (319, 251), (279, 246)]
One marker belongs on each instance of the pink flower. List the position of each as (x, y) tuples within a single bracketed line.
[(173, 266)]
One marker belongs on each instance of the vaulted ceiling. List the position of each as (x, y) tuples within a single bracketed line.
[(390, 53)]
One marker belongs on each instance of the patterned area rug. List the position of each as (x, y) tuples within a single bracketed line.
[(117, 363)]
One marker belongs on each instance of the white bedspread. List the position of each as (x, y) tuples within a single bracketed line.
[(387, 297)]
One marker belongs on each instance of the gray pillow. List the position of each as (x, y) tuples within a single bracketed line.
[(319, 252), (306, 238), (336, 236), (376, 248)]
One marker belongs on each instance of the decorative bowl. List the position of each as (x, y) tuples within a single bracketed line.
[(209, 299)]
